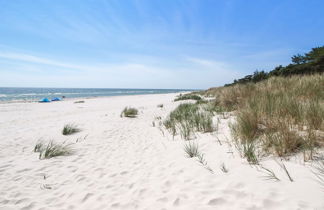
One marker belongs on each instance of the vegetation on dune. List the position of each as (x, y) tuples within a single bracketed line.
[(52, 149), (69, 129), (188, 97), (129, 112), (279, 115), (188, 118)]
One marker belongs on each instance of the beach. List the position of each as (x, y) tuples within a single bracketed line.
[(134, 163)]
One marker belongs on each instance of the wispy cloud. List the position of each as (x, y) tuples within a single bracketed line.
[(210, 64), (35, 59)]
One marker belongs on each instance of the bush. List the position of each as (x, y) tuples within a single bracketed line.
[(129, 112)]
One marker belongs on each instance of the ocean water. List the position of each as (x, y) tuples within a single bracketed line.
[(36, 94)]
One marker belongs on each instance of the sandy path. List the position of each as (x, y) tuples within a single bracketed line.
[(122, 163)]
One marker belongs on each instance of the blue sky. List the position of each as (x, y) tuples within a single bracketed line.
[(151, 43)]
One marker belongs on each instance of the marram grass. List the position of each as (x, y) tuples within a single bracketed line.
[(279, 116), (129, 112), (52, 149), (187, 119), (69, 129)]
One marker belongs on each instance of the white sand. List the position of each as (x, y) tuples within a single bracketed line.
[(122, 163)]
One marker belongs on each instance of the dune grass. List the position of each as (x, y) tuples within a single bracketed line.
[(191, 149), (279, 116), (79, 102), (319, 172), (188, 118), (188, 97), (52, 149), (129, 112), (69, 129)]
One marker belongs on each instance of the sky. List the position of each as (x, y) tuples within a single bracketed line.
[(189, 44)]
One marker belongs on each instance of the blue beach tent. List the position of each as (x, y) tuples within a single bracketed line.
[(56, 99), (44, 100)]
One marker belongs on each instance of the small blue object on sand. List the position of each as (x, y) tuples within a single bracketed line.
[(56, 99), (44, 100)]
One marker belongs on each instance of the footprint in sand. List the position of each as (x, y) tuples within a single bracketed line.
[(216, 201)]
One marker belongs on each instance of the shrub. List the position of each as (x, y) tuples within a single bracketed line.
[(69, 129), (129, 112)]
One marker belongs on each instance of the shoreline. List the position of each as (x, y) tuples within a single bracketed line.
[(84, 98)]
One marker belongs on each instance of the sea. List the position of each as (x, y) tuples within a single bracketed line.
[(12, 94)]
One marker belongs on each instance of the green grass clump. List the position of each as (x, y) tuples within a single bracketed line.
[(129, 112), (191, 149), (79, 102), (188, 97), (52, 150), (69, 129), (188, 118)]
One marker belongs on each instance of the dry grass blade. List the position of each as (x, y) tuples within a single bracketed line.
[(270, 175), (319, 172), (223, 168), (283, 166)]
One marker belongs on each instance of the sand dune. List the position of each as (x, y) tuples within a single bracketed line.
[(126, 163)]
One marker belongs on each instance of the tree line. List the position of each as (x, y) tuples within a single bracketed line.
[(309, 63)]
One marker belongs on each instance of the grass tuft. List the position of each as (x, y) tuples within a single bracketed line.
[(188, 118), (69, 129), (52, 150), (79, 102), (188, 97), (191, 150), (129, 112)]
